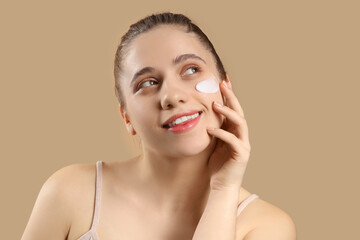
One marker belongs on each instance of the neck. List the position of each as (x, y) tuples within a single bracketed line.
[(175, 184)]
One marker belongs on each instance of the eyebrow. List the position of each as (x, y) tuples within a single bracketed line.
[(184, 57), (141, 72), (177, 60)]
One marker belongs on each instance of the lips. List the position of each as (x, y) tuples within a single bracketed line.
[(181, 119)]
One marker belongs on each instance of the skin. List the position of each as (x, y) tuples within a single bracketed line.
[(165, 191), (174, 162)]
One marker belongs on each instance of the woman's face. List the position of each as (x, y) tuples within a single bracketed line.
[(160, 73)]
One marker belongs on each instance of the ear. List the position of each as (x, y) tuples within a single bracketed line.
[(128, 124)]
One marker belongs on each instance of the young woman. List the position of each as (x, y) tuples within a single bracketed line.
[(187, 183)]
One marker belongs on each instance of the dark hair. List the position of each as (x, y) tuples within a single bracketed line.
[(149, 23)]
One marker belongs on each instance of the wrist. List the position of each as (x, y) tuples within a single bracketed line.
[(228, 196), (218, 186), (231, 188)]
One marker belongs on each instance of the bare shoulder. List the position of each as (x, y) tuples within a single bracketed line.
[(71, 181), (267, 222), (53, 211), (72, 177)]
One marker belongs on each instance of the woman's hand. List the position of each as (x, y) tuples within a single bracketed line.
[(228, 162)]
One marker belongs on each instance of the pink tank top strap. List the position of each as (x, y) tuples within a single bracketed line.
[(244, 203), (95, 221)]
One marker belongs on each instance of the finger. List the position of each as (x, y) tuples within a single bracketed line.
[(235, 144), (240, 124), (231, 99)]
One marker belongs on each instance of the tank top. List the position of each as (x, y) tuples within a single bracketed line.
[(92, 234)]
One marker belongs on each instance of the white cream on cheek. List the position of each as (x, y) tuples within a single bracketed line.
[(209, 85)]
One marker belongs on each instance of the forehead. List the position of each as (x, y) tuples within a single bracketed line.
[(158, 47)]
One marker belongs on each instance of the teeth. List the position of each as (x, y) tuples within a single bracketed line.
[(183, 119)]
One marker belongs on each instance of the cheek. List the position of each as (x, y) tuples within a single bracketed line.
[(209, 85), (138, 114), (207, 99), (215, 119), (209, 90)]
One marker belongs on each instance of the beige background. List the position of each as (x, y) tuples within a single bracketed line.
[(294, 66)]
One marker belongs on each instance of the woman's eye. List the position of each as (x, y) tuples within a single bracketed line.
[(147, 84), (191, 70)]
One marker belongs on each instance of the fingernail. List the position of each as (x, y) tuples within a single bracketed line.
[(228, 84), (227, 78), (225, 83), (218, 104)]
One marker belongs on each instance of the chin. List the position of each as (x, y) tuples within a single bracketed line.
[(191, 147)]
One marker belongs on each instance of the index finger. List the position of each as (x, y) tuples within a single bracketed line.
[(231, 100)]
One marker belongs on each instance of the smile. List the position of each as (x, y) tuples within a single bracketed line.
[(181, 123), (183, 119)]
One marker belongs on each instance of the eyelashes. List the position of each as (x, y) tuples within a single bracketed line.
[(146, 83), (192, 70), (193, 67)]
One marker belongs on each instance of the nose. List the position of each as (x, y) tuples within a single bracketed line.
[(172, 94)]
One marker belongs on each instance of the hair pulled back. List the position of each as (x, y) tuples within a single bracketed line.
[(149, 23)]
